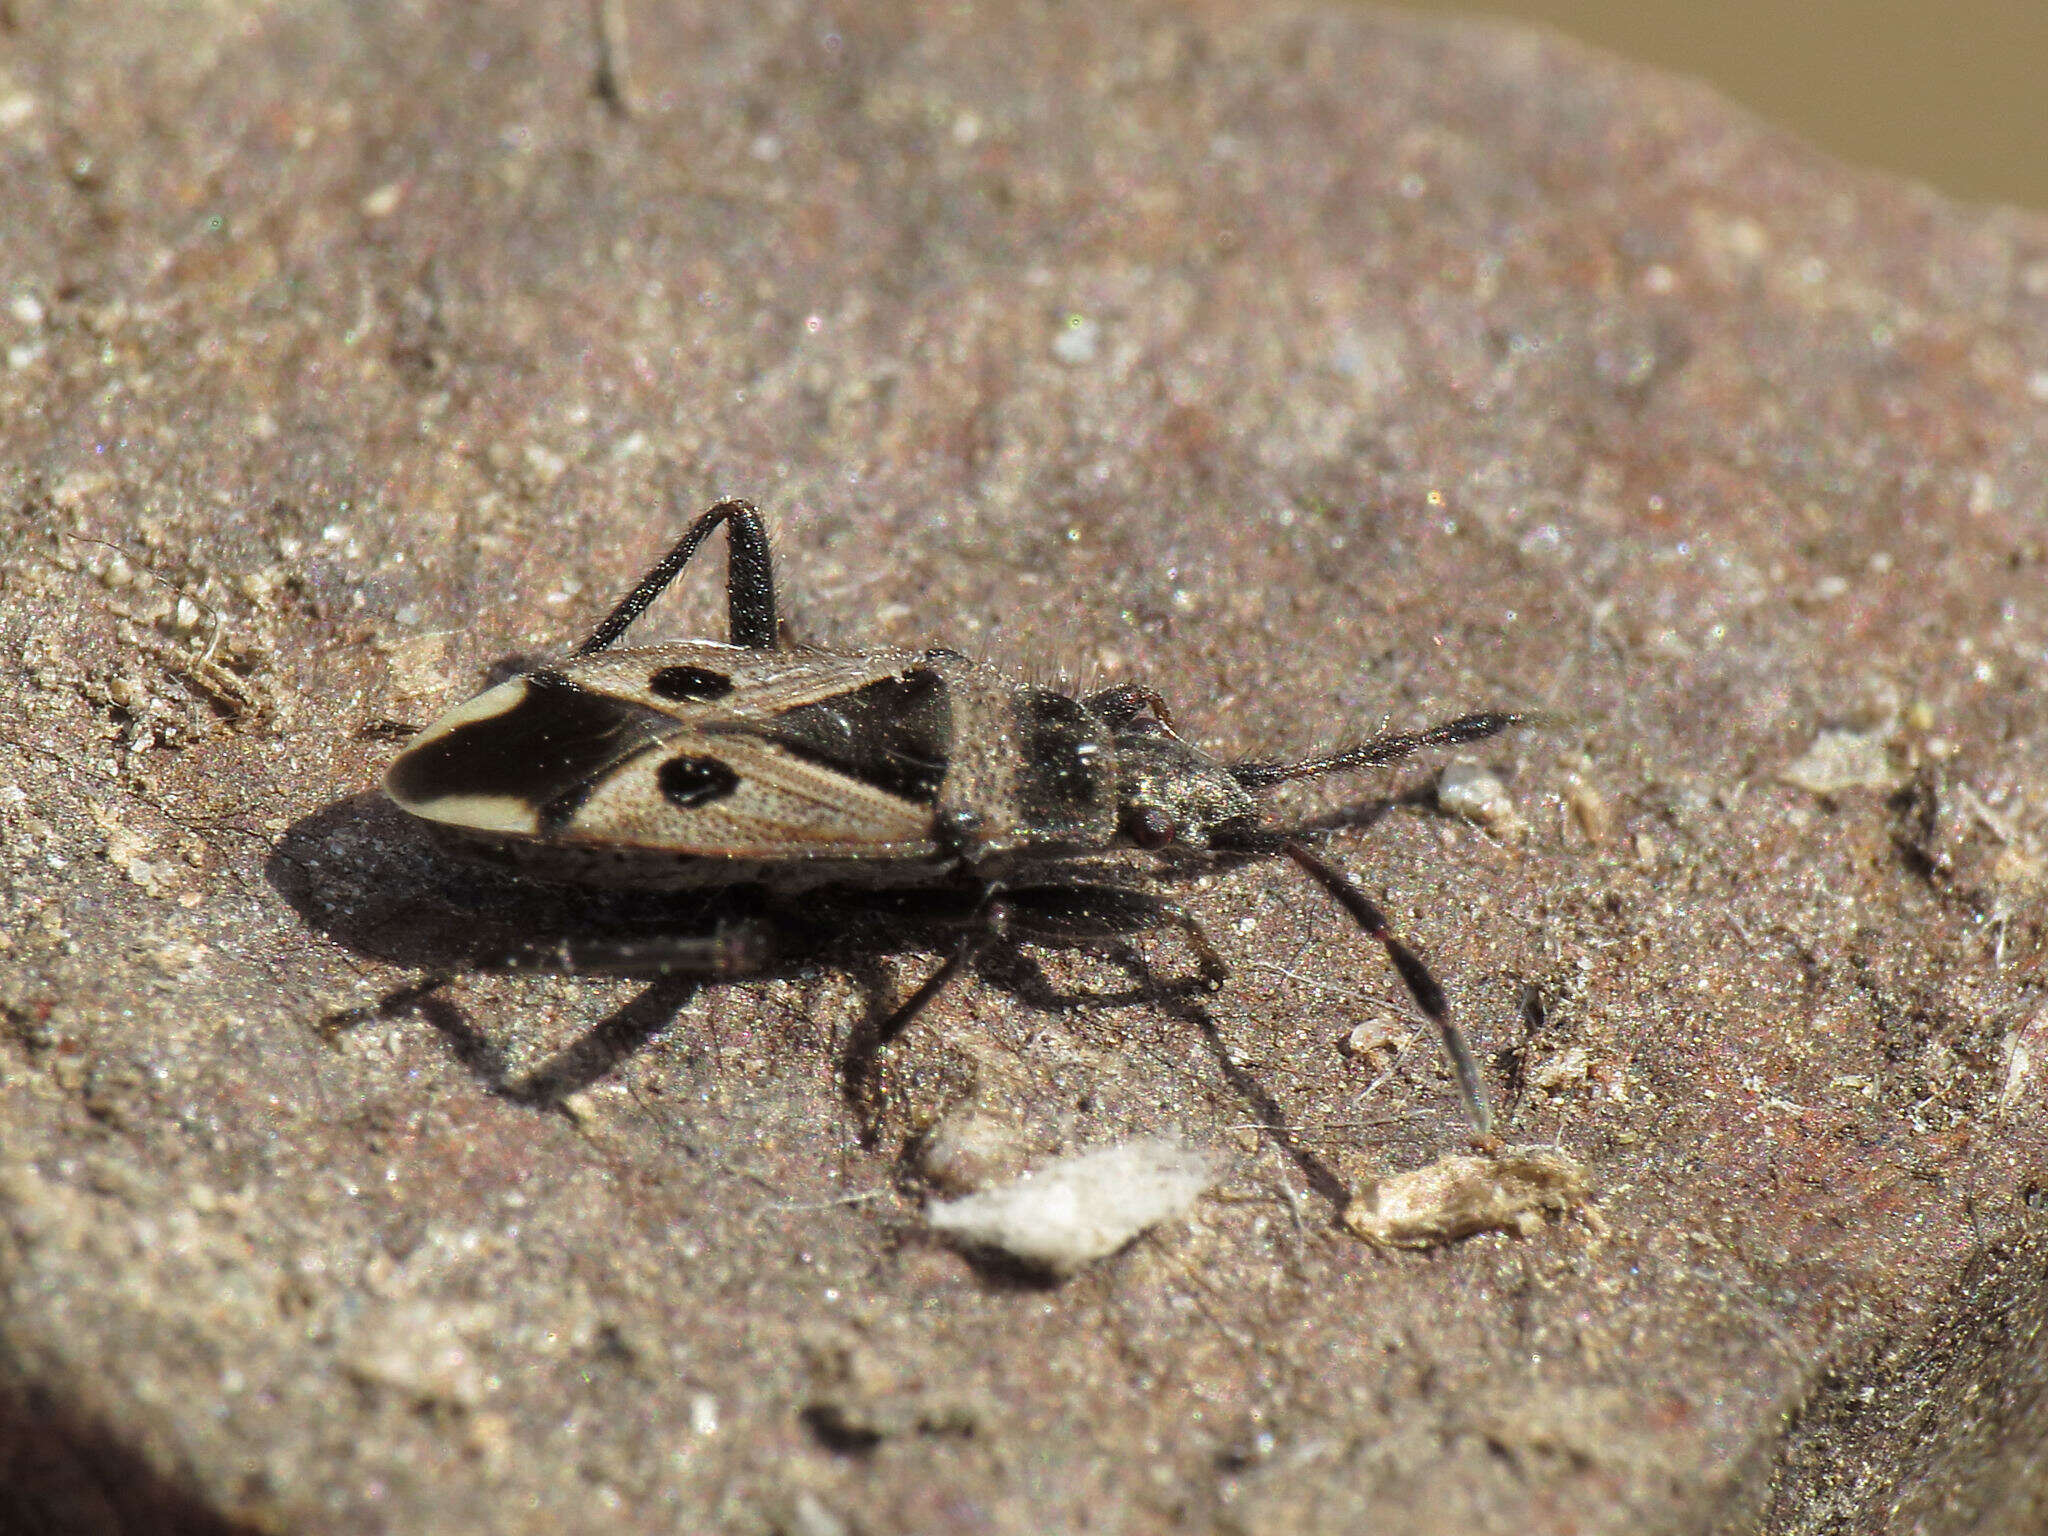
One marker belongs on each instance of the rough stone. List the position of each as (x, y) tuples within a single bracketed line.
[(1318, 367)]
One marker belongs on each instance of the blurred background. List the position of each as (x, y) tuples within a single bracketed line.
[(1953, 93)]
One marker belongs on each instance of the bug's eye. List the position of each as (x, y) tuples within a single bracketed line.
[(1150, 827)]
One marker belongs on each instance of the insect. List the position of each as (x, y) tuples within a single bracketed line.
[(810, 777)]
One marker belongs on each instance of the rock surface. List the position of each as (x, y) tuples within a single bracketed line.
[(1318, 367)]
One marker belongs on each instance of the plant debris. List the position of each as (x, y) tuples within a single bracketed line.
[(1464, 1194)]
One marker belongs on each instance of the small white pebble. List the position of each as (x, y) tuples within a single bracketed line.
[(1373, 1035), (1567, 1069), (1475, 793), (969, 1149), (384, 201), (544, 464), (1588, 810), (2023, 1047), (809, 1516)]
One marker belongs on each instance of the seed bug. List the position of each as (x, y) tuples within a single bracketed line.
[(812, 777)]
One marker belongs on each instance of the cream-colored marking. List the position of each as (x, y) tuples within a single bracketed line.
[(486, 813), (501, 700), (506, 815)]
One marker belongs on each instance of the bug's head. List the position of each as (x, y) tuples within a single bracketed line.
[(1169, 794)]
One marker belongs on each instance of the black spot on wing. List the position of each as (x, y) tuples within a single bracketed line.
[(546, 750), (894, 734), (690, 782), (1061, 776), (687, 684)]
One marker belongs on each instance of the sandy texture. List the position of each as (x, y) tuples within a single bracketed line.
[(1320, 369)]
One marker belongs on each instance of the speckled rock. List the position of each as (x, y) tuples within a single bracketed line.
[(1319, 367)]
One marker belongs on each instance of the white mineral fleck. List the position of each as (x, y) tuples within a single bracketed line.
[(2023, 1048), (1567, 1069), (1589, 810), (1075, 342), (1475, 793)]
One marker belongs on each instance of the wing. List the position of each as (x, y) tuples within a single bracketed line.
[(695, 749), (739, 795), (699, 681)]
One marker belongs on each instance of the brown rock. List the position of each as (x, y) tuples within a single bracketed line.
[(1319, 368)]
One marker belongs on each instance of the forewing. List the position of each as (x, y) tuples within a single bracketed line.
[(517, 759), (738, 795), (695, 749), (701, 682)]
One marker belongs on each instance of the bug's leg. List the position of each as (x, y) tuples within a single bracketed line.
[(749, 581), (989, 922), (675, 963), (1422, 986), (1389, 747), (1124, 703), (732, 949)]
